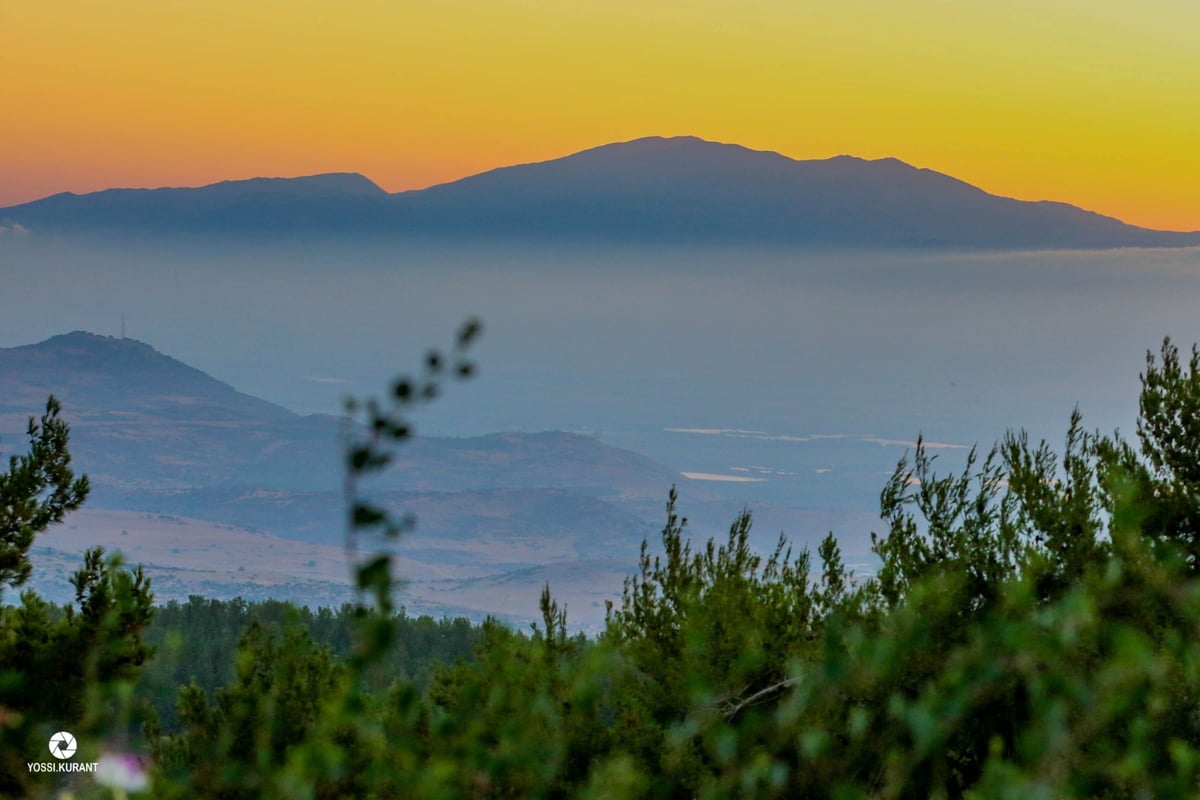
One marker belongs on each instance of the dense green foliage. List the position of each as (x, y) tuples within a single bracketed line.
[(36, 491), (1031, 632), (197, 643), (56, 664)]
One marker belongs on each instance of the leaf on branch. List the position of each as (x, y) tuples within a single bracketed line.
[(364, 458), (363, 515), (376, 574), (469, 331)]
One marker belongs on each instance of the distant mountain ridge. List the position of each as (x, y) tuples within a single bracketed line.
[(676, 190), (333, 201)]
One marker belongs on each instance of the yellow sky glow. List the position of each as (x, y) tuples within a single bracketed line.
[(1092, 103)]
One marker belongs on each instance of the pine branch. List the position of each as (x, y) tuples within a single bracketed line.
[(730, 707)]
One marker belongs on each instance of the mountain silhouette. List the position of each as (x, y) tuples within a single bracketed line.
[(345, 201), (675, 190)]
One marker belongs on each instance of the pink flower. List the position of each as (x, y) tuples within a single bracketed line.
[(122, 771)]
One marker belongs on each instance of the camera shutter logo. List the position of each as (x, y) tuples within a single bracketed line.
[(62, 745)]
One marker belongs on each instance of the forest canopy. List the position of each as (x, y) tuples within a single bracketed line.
[(1030, 632)]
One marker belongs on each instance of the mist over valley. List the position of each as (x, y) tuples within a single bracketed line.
[(785, 379), (762, 332)]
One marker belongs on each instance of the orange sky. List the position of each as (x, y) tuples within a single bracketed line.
[(1088, 101)]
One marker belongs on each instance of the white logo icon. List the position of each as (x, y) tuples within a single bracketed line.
[(62, 745)]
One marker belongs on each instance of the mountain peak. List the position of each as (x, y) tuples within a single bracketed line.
[(86, 340), (351, 183), (103, 352), (675, 146), (659, 143), (89, 373)]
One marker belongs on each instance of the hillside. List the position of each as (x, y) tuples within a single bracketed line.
[(211, 488), (144, 421)]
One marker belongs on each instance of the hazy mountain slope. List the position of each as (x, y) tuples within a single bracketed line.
[(97, 375), (224, 494), (681, 190), (147, 425), (144, 421), (330, 202), (485, 526), (688, 189)]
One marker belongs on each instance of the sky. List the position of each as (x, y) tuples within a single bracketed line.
[(1090, 102)]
